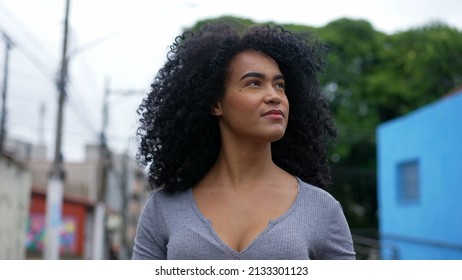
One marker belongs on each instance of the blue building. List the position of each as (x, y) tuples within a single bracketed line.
[(420, 182)]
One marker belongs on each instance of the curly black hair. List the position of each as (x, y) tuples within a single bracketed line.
[(179, 137)]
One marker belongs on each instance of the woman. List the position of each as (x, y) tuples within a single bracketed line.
[(234, 132)]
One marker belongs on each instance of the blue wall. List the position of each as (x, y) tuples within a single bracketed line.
[(431, 226)]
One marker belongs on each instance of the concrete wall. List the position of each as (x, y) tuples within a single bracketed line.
[(15, 192)]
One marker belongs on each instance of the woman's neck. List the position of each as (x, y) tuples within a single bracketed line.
[(243, 166)]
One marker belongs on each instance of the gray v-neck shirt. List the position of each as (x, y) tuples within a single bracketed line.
[(314, 227)]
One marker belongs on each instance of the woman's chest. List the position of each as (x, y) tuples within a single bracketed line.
[(285, 239)]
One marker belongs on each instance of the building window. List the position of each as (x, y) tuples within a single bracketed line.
[(408, 181)]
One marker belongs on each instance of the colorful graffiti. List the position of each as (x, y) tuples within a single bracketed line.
[(36, 234)]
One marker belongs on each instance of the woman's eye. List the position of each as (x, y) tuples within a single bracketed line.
[(253, 83), (280, 85)]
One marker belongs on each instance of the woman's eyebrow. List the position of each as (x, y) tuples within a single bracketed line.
[(261, 75), (252, 74), (279, 77)]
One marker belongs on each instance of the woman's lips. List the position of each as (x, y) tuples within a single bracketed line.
[(277, 114)]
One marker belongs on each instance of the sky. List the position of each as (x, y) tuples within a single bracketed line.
[(119, 45)]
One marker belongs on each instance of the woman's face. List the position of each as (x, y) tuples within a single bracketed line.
[(254, 106)]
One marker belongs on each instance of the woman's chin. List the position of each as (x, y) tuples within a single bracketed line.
[(275, 136)]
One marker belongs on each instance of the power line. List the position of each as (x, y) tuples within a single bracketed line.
[(79, 111), (41, 67), (29, 35)]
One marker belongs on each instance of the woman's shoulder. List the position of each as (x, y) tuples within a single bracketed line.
[(160, 198), (315, 195)]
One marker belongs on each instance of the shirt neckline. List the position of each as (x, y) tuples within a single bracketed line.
[(268, 227)]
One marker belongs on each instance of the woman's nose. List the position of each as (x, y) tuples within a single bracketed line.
[(272, 96)]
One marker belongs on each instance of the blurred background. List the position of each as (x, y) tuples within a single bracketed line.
[(73, 73)]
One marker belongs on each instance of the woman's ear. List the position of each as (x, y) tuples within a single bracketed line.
[(216, 109)]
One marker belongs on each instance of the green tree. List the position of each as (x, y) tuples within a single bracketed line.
[(355, 53), (419, 66), (371, 78)]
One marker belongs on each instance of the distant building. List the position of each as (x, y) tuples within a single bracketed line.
[(420, 182), (124, 198)]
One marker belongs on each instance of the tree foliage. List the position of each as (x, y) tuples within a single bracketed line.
[(374, 77)]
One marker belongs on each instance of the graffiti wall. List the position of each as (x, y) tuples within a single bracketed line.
[(36, 234), (72, 227)]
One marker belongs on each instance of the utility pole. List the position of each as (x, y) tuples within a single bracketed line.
[(56, 181), (99, 236), (9, 45), (104, 151), (101, 242), (124, 188)]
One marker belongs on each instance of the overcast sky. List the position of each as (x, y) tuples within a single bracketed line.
[(125, 42)]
